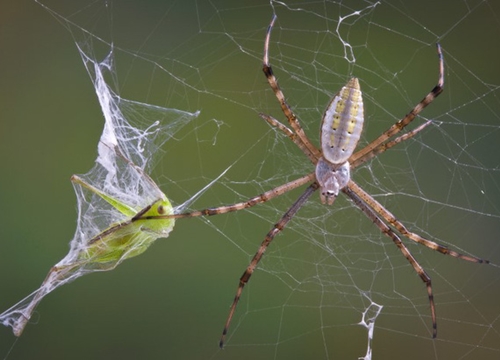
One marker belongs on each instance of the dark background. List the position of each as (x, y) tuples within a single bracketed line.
[(172, 301)]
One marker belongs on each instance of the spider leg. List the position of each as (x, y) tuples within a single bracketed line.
[(259, 199), (387, 145), (404, 250), (273, 82), (293, 136), (391, 219), (398, 126), (277, 228)]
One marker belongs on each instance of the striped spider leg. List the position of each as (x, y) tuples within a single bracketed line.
[(340, 130), (341, 127)]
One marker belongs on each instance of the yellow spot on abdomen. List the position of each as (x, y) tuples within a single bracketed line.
[(342, 123)]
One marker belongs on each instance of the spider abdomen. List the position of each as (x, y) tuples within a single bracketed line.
[(342, 123)]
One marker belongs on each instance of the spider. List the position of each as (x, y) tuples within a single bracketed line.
[(340, 131)]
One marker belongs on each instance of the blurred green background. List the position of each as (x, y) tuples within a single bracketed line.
[(172, 301)]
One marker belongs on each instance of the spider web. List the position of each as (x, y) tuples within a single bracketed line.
[(330, 286)]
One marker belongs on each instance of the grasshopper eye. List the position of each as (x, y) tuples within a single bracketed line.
[(161, 209)]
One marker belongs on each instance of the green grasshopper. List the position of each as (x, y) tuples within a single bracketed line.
[(122, 240)]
